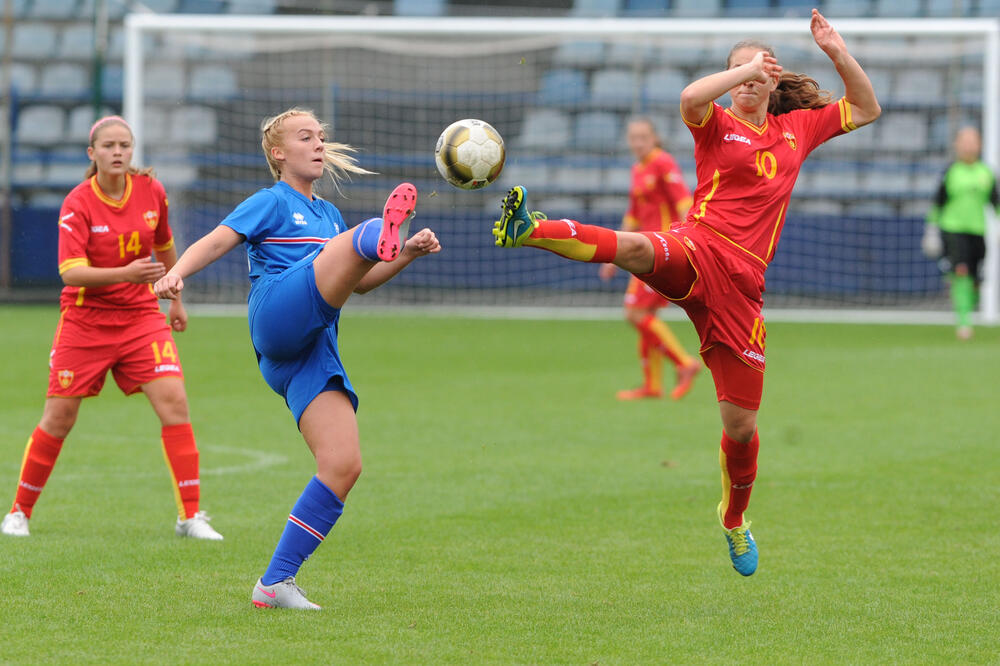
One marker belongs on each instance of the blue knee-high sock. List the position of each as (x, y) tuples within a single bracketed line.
[(366, 238), (312, 518)]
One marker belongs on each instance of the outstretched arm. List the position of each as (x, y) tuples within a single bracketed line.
[(858, 89), (699, 95), (421, 243), (204, 251)]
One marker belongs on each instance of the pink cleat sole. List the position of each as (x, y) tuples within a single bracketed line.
[(398, 209)]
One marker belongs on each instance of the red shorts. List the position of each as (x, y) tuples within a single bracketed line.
[(723, 301), (641, 295), (135, 345), (735, 381)]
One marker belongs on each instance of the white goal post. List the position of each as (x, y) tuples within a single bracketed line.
[(507, 71)]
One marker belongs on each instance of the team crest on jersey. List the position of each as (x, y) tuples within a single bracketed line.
[(689, 243), (790, 138), (65, 378), (299, 219), (152, 218)]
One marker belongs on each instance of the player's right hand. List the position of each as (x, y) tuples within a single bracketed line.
[(765, 66), (144, 270), (606, 272), (169, 286)]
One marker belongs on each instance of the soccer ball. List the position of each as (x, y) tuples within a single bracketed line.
[(469, 154)]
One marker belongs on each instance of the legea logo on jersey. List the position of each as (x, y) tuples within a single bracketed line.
[(733, 136), (99, 229), (299, 219), (152, 218), (790, 138), (65, 378)]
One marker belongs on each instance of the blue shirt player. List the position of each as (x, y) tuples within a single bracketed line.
[(304, 265)]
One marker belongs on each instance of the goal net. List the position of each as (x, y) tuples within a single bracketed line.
[(559, 91)]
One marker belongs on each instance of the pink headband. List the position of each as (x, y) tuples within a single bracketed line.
[(104, 120)]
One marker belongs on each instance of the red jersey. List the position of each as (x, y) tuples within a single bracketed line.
[(96, 230), (746, 173), (658, 197)]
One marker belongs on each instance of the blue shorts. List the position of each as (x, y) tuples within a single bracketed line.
[(294, 332)]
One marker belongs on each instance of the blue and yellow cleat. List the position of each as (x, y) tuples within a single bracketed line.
[(742, 547), (516, 223)]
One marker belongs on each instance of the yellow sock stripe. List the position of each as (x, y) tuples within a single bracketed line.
[(669, 340), (654, 361), (181, 513), (726, 482), (24, 460), (565, 247)]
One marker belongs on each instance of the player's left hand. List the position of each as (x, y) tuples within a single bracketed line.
[(826, 37), (177, 316), (422, 243)]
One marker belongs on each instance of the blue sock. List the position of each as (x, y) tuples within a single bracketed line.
[(366, 238), (312, 518)]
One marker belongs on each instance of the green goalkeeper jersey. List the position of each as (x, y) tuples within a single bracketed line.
[(961, 200)]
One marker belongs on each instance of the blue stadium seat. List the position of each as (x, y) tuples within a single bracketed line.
[(202, 6), (579, 54), (663, 87), (563, 206), (116, 43), (534, 176), (20, 8), (53, 9), (81, 119), (697, 8), (212, 82), (848, 9), (628, 54), (420, 7), (614, 88), (546, 129), (64, 80), (562, 87), (158, 6), (165, 80), (596, 7), (77, 41), (613, 205), (937, 8), (116, 9), (646, 7), (990, 8), (193, 125), (881, 81), (897, 8), (598, 130), (23, 78), (42, 124), (34, 41), (578, 179), (969, 86), (252, 6), (681, 55), (754, 8), (903, 131), (112, 82), (155, 125), (791, 8), (915, 86)]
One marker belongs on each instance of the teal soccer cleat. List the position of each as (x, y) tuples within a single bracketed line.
[(516, 223), (742, 547)]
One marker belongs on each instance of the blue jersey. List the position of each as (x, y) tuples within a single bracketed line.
[(281, 227)]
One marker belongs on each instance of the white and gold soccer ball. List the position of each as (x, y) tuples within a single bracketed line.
[(469, 154)]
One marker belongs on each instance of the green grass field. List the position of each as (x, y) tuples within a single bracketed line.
[(512, 512)]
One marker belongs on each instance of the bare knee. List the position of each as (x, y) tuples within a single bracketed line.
[(634, 253), (170, 403), (742, 431), (635, 316), (339, 472), (59, 416)]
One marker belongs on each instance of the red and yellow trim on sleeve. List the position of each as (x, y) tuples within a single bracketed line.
[(163, 248), (704, 121), (104, 198), (73, 262), (846, 122)]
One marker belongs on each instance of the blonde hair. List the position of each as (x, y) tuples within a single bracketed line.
[(794, 91), (336, 160), (95, 131)]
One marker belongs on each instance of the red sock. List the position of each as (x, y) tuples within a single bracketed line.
[(570, 239), (739, 469), (182, 459), (666, 343), (39, 459)]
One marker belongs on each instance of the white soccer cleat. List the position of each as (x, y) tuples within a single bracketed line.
[(283, 594), (15, 524), (197, 527)]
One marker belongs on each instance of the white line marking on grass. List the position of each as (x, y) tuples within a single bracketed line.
[(261, 459)]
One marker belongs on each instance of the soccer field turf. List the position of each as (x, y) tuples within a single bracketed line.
[(512, 511)]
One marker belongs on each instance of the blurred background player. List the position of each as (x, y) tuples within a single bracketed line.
[(304, 265), (657, 199), (966, 188), (109, 226), (747, 157)]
